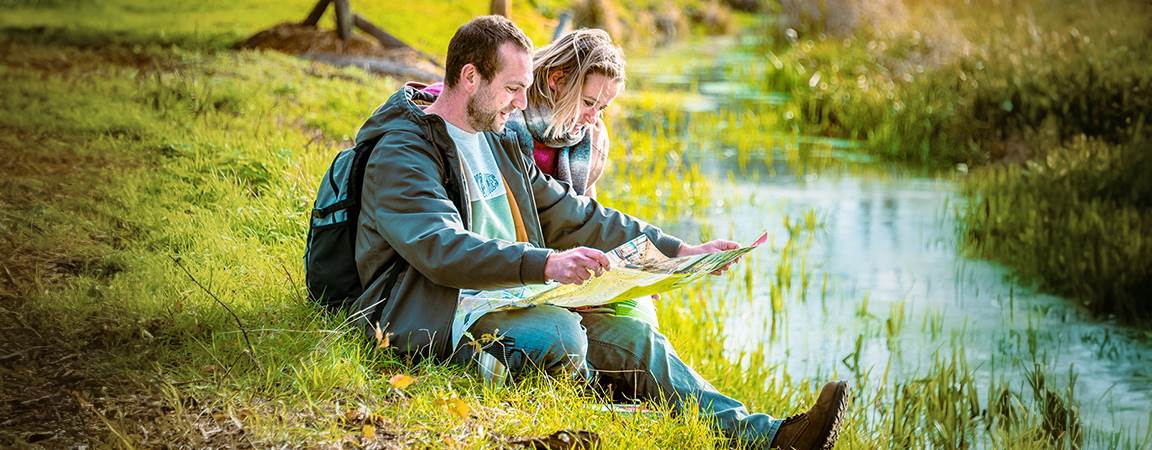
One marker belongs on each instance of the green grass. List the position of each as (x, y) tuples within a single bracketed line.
[(143, 182), (217, 24), (1075, 222), (959, 84)]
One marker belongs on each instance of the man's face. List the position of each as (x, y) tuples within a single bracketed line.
[(493, 100)]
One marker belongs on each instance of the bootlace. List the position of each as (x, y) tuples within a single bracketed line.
[(794, 418)]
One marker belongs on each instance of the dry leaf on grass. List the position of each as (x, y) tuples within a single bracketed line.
[(456, 406), (401, 381)]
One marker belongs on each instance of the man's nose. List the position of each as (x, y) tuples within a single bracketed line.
[(520, 100)]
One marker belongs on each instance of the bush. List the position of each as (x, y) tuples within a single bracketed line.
[(920, 98), (1076, 222)]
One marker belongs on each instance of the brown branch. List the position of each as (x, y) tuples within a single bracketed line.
[(317, 13), (291, 281), (251, 350), (387, 40)]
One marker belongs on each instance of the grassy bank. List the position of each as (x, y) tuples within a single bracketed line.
[(217, 24), (1048, 102), (1076, 220), (154, 197)]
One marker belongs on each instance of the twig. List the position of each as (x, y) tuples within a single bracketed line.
[(23, 220), (20, 318), (104, 418), (244, 331), (287, 274)]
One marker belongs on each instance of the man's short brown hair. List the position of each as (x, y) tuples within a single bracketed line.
[(478, 43)]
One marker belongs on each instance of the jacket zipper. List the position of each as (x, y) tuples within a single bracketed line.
[(443, 347)]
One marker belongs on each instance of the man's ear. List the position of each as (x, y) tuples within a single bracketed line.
[(555, 79), (469, 78)]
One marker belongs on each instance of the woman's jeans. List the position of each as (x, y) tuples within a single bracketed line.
[(624, 353)]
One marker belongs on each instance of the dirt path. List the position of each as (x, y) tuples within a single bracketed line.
[(52, 394), (402, 62)]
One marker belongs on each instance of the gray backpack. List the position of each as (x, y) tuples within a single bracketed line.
[(330, 253)]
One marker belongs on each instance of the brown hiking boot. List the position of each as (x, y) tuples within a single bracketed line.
[(817, 427)]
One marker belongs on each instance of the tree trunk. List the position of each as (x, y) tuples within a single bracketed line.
[(500, 7)]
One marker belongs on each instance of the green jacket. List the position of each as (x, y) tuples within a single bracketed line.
[(414, 250)]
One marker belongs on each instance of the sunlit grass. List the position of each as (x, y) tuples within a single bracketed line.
[(1076, 222), (914, 95), (217, 24)]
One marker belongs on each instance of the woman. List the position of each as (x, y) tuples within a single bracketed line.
[(576, 77)]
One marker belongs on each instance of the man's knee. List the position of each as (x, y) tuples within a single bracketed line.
[(543, 337), (555, 339)]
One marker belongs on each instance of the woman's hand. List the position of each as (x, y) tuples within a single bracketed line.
[(717, 245)]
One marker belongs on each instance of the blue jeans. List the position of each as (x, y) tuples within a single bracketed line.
[(623, 352)]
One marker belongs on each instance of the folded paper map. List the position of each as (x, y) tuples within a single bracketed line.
[(637, 269)]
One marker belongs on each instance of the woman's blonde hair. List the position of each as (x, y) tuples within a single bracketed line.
[(576, 54)]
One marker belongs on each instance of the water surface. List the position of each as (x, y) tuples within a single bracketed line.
[(888, 285)]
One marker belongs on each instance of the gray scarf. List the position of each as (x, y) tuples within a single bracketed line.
[(574, 150), (537, 117)]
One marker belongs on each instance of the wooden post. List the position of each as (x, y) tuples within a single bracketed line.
[(343, 19), (562, 25), (499, 7), (317, 11), (346, 20)]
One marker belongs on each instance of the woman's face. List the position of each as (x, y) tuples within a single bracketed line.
[(597, 93)]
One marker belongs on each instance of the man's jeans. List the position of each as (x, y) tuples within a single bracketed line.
[(621, 351)]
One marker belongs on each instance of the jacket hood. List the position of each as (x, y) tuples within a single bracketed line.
[(402, 111)]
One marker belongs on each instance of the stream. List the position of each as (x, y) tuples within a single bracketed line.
[(888, 286)]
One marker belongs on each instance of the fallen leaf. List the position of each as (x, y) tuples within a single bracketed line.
[(401, 381), (458, 408), (353, 415)]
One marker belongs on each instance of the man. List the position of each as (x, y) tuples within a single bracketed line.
[(451, 206)]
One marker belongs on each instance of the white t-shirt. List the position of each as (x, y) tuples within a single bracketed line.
[(491, 214)]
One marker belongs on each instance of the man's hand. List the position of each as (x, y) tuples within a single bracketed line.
[(575, 266), (718, 245)]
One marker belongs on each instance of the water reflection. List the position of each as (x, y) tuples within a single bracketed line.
[(888, 243)]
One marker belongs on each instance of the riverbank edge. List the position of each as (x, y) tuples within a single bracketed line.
[(1046, 117)]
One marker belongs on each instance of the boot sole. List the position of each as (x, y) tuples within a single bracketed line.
[(831, 429)]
